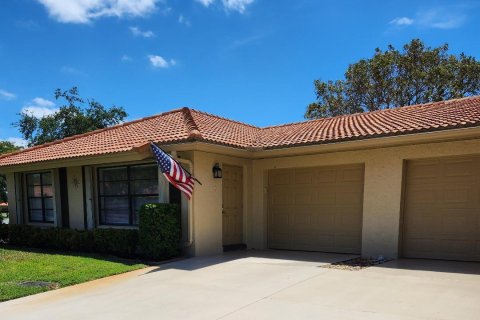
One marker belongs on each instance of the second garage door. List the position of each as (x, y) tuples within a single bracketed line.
[(316, 209), (442, 209)]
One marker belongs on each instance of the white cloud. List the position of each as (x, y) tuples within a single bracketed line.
[(402, 21), (441, 18), (230, 5), (84, 11), (206, 3), (136, 31), (183, 20), (236, 5), (19, 142), (438, 17), (6, 95), (40, 107), (126, 58), (41, 102), (72, 71), (247, 41), (160, 62)]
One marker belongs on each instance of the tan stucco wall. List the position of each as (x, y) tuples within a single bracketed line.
[(12, 198), (207, 202), (382, 190), (382, 193), (75, 198)]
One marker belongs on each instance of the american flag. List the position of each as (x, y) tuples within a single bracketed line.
[(173, 171)]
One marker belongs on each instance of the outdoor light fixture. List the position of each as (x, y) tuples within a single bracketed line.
[(217, 171)]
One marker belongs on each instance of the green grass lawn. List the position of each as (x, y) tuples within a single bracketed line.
[(59, 269)]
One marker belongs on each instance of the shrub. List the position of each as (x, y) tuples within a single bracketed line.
[(121, 242), (159, 230), (3, 232), (118, 242)]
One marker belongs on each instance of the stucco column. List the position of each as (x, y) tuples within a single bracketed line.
[(207, 207), (382, 205), (257, 234), (13, 201)]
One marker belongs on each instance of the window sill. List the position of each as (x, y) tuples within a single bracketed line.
[(116, 226), (42, 224)]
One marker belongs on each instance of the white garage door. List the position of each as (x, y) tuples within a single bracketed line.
[(316, 209), (442, 209)]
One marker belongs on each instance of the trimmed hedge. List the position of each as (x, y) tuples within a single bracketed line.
[(157, 237), (120, 242), (116, 241), (159, 230)]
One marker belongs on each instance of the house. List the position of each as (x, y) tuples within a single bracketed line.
[(398, 182)]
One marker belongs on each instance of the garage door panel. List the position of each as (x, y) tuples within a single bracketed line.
[(348, 222), (457, 246), (459, 194), (426, 170), (458, 168), (442, 209), (301, 221), (422, 194), (324, 197), (280, 177), (349, 198), (460, 224), (325, 176), (326, 211), (352, 175), (348, 241), (282, 197), (302, 176), (422, 222), (304, 198)]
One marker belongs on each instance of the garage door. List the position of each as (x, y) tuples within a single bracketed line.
[(442, 209), (316, 209)]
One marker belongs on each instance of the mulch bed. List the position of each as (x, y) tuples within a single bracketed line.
[(356, 263), (50, 285)]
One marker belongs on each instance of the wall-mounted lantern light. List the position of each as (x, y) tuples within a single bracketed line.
[(217, 171)]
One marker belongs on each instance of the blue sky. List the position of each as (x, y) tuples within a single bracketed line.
[(249, 60)]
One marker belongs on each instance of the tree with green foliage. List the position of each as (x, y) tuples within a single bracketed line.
[(393, 78), (72, 118), (5, 147)]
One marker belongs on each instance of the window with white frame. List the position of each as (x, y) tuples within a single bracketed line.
[(40, 197), (123, 190)]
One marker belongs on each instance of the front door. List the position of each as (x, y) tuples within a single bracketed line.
[(232, 211)]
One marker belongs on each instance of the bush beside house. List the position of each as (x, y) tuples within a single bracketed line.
[(160, 232)]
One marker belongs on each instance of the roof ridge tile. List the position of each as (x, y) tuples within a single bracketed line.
[(192, 128)]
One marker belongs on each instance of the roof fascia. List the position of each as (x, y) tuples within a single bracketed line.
[(138, 154)]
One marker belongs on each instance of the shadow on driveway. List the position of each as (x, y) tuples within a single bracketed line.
[(286, 257), (257, 256), (434, 266)]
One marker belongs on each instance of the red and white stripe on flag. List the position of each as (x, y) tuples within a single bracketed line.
[(180, 179)]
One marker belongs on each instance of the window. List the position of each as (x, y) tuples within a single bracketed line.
[(123, 190), (40, 197)]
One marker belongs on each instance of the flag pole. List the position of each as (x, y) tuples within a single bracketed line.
[(191, 175)]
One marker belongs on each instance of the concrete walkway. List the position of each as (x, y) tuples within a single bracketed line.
[(266, 285)]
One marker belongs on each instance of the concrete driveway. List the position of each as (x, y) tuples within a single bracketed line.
[(266, 285)]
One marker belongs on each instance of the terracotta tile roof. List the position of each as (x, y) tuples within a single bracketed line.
[(185, 125), (443, 115), (176, 126)]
